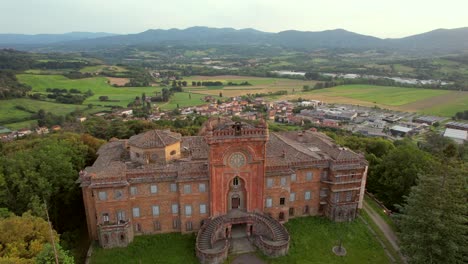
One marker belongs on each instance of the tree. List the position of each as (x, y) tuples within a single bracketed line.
[(220, 94), (433, 224), (23, 237), (397, 173), (103, 98), (47, 255)]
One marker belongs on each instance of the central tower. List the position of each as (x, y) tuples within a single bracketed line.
[(237, 154)]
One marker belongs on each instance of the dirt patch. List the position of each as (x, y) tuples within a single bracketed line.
[(118, 81), (444, 99)]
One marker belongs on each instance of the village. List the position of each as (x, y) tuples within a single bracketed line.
[(367, 121)]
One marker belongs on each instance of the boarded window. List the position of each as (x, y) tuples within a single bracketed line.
[(187, 188), (188, 210), (155, 210), (202, 208), (175, 223), (102, 195), (269, 202), (136, 211), (324, 175), (175, 208), (293, 177), (309, 176), (202, 187), (283, 181), (105, 218), (173, 187), (154, 188), (118, 194), (269, 183), (307, 195), (188, 225), (133, 190), (291, 211), (292, 197), (121, 216)]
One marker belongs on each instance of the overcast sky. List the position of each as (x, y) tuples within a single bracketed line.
[(380, 18)]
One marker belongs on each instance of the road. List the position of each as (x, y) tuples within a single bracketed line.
[(385, 228)]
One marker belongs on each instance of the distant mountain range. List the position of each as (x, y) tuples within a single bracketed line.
[(436, 41)]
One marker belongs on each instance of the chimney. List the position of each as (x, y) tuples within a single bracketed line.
[(300, 136)]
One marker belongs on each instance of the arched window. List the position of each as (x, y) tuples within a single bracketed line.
[(235, 182), (122, 237)]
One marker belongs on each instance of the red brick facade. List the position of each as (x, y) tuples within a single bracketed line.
[(133, 189)]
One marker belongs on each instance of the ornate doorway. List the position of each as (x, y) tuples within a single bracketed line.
[(237, 194), (235, 202)]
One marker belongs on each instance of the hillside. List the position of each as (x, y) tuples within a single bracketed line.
[(441, 41)]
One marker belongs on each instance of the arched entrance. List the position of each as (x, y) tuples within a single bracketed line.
[(237, 198)]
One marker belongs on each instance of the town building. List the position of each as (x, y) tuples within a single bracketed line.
[(234, 178)]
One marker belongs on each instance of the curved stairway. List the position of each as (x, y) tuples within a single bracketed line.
[(271, 237), (279, 231)]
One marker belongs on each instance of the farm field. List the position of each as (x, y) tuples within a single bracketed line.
[(259, 85), (15, 118), (120, 96), (312, 239), (428, 101), (183, 100)]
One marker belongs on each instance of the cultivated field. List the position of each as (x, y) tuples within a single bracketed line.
[(15, 118), (120, 96), (427, 101)]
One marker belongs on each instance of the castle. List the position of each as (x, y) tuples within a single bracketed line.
[(232, 178)]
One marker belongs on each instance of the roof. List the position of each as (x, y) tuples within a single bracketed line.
[(456, 133), (401, 129), (155, 139)]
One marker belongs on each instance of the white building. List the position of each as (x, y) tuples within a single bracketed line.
[(459, 136)]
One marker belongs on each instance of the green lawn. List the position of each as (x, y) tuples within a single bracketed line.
[(165, 249), (312, 240), (386, 95), (183, 100), (99, 86)]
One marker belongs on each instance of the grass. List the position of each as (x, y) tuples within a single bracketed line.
[(380, 212), (166, 248), (385, 95), (99, 86), (312, 240), (381, 236), (14, 118), (183, 100)]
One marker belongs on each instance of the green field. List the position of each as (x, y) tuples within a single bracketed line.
[(385, 95), (183, 100), (15, 118), (312, 239), (428, 101), (99, 86), (165, 249)]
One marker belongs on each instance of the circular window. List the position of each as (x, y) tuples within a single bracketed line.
[(236, 160)]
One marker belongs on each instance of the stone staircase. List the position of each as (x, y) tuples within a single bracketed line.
[(204, 239), (279, 231)]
